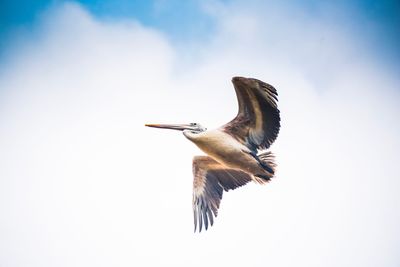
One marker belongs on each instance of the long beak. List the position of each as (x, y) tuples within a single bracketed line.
[(179, 127)]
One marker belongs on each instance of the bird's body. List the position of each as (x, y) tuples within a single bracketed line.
[(227, 151), (236, 152)]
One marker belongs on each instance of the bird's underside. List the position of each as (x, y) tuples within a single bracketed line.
[(237, 151)]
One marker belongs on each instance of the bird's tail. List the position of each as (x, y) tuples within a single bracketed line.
[(267, 161)]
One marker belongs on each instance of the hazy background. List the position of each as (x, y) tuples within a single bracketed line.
[(84, 183)]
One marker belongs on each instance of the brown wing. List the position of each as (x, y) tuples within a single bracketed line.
[(210, 180), (257, 123)]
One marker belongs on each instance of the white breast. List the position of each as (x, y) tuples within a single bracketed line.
[(217, 144)]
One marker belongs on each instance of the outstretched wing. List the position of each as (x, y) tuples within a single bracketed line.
[(210, 180), (258, 121)]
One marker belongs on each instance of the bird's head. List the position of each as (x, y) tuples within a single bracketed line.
[(188, 129)]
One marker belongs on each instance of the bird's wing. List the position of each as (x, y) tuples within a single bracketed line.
[(258, 121), (210, 179)]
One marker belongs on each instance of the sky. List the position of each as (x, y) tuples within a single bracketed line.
[(84, 183)]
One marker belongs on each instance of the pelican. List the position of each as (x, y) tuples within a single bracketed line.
[(237, 152)]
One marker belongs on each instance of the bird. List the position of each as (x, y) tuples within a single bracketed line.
[(237, 152)]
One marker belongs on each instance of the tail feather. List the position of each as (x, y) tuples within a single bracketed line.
[(267, 161)]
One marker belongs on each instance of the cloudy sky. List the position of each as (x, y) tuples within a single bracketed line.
[(84, 183)]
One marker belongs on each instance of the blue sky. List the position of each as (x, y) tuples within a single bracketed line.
[(181, 19), (377, 22)]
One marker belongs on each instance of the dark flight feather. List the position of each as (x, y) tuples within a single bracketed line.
[(257, 123)]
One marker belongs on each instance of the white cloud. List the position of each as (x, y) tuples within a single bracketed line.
[(84, 183)]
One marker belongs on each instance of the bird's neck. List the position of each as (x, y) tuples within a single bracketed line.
[(191, 136)]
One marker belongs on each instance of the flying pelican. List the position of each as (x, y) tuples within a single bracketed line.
[(237, 151)]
